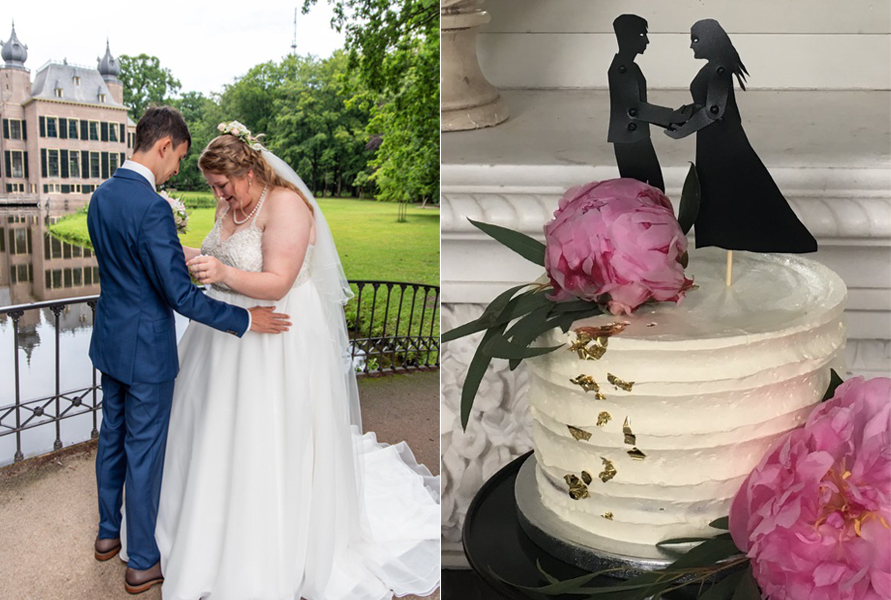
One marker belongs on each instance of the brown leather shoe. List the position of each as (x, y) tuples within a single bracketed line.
[(107, 548), (136, 582)]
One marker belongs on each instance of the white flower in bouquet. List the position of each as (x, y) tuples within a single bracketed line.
[(180, 216)]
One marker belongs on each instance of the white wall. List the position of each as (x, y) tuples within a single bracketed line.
[(785, 44)]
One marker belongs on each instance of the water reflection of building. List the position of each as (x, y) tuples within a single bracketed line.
[(35, 267), (63, 134)]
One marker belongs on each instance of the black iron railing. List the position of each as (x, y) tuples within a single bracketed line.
[(394, 327)]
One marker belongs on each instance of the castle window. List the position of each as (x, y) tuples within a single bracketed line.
[(76, 80), (58, 92), (74, 163), (94, 131), (94, 165), (72, 129), (17, 160), (53, 163), (112, 132), (13, 129), (52, 129), (101, 97)]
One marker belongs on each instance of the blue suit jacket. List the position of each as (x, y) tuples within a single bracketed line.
[(143, 280)]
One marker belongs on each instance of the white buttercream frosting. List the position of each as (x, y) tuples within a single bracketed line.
[(716, 379)]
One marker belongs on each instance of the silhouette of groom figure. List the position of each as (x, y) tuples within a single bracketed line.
[(630, 114)]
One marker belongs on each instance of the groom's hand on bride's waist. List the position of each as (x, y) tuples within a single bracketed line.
[(264, 320)]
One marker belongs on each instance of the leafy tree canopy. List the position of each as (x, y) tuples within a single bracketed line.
[(146, 82)]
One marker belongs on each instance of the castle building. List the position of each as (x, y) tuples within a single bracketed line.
[(64, 133)]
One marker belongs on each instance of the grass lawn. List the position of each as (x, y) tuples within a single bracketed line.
[(372, 244)]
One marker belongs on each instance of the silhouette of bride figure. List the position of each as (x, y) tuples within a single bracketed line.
[(741, 207)]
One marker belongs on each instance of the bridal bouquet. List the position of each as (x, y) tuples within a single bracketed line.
[(180, 216)]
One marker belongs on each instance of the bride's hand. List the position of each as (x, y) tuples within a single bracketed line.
[(207, 269)]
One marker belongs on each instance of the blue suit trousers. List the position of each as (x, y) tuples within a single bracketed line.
[(132, 443)]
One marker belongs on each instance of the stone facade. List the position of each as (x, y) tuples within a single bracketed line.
[(62, 134)]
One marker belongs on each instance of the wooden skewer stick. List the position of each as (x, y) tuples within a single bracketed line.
[(729, 268)]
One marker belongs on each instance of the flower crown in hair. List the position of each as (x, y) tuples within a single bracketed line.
[(241, 132)]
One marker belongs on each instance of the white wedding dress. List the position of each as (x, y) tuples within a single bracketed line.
[(268, 492)]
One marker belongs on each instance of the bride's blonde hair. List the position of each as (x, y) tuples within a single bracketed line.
[(228, 155)]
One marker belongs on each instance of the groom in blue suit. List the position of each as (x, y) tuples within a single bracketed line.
[(143, 280)]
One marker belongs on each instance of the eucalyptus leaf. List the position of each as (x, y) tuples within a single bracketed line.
[(475, 372), (690, 197), (486, 320), (834, 382), (723, 589), (527, 247), (500, 347), (747, 588), (524, 331), (722, 523), (706, 554)]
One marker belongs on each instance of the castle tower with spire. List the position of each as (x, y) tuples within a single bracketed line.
[(110, 68), (15, 78)]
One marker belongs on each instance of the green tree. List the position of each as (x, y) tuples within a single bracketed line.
[(407, 163), (317, 130), (395, 49), (146, 82), (202, 114)]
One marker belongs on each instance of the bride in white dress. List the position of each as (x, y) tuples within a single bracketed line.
[(270, 492)]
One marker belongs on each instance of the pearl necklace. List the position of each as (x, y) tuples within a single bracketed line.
[(256, 208)]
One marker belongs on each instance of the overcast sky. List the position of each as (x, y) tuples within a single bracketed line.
[(204, 46)]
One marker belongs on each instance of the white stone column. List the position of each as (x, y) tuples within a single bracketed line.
[(469, 101)]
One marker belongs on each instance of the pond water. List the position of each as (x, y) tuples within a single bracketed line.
[(36, 267)]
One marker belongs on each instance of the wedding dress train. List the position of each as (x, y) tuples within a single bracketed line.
[(269, 492)]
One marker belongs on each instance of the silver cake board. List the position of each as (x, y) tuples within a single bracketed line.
[(578, 547)]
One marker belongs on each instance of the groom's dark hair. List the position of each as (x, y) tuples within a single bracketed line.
[(159, 122)]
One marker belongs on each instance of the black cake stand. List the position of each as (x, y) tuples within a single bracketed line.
[(499, 549)]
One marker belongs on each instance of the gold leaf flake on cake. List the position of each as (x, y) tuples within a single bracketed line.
[(630, 438), (589, 349), (586, 477), (591, 342), (579, 434), (608, 516), (603, 418), (636, 454), (587, 383), (618, 383), (608, 472), (577, 489)]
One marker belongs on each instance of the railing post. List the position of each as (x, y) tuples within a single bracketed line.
[(431, 337), (95, 433), (57, 445), (396, 341), (353, 346), (374, 286), (380, 366), (16, 315)]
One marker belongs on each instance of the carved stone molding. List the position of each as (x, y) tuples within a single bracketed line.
[(833, 213), (498, 428), (469, 101)]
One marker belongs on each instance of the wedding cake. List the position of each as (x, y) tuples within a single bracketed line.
[(646, 425)]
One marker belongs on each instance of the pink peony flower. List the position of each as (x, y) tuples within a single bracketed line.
[(615, 241), (814, 515)]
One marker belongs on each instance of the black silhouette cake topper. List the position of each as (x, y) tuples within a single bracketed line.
[(630, 114), (740, 206)]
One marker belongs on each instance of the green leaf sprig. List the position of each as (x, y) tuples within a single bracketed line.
[(716, 565), (514, 319)]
